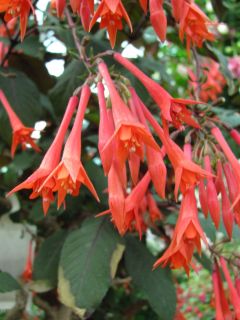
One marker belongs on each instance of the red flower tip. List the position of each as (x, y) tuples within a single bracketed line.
[(21, 134)]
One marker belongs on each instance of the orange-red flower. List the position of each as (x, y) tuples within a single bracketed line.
[(49, 162), (172, 109), (187, 235), (156, 166), (21, 134), (130, 135), (214, 84), (69, 174), (28, 269), (158, 18), (187, 173), (106, 130), (221, 304), (144, 5), (212, 197), (17, 8), (193, 23), (233, 294), (111, 14)]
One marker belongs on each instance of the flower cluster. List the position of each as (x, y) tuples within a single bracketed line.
[(193, 23), (213, 80)]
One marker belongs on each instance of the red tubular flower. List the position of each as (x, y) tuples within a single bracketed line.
[(116, 199), (203, 198), (154, 213), (111, 14), (28, 269), (106, 130), (227, 213), (49, 162), (231, 158), (214, 83), (212, 199), (133, 203), (187, 235), (21, 134), (60, 5), (69, 174), (158, 18), (221, 304), (193, 23), (235, 135), (144, 5), (172, 109), (156, 165), (130, 135), (234, 297), (17, 8), (187, 173)]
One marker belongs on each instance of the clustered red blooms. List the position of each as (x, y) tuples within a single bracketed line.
[(17, 8), (127, 143), (193, 23), (213, 80), (133, 144)]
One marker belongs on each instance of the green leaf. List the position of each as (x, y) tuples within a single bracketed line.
[(89, 258), (47, 260), (23, 95), (157, 285), (8, 283)]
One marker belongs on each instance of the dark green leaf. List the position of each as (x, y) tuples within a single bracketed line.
[(157, 285), (47, 260), (86, 264)]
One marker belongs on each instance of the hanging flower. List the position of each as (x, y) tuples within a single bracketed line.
[(49, 162), (173, 110), (193, 23), (17, 8), (20, 133), (111, 14), (187, 235), (69, 174)]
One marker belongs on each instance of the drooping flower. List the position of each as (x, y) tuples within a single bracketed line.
[(213, 86), (69, 174), (187, 173), (130, 135), (193, 23), (212, 198), (49, 162), (28, 268), (156, 166), (187, 235), (17, 8), (234, 297), (106, 130), (158, 18), (172, 109), (5, 31), (20, 133), (144, 5), (221, 304), (231, 158), (111, 14), (235, 135)]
